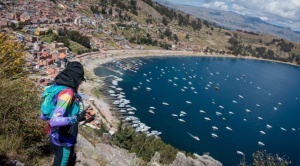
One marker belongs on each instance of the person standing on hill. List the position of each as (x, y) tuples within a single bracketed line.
[(64, 121)]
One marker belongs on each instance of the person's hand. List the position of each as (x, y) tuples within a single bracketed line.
[(81, 117)]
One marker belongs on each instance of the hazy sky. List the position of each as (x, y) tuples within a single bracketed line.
[(279, 12)]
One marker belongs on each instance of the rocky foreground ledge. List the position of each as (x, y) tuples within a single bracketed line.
[(109, 155)]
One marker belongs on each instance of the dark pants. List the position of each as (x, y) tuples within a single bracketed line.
[(63, 155)]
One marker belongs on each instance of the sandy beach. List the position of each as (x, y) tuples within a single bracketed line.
[(91, 61)]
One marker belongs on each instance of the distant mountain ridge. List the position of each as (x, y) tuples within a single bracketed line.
[(235, 21)]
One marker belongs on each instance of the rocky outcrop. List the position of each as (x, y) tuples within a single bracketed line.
[(108, 155), (208, 161), (205, 160), (116, 156), (103, 154)]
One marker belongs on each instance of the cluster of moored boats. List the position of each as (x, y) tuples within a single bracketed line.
[(123, 106)]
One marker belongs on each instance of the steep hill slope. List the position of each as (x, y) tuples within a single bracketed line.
[(232, 20)]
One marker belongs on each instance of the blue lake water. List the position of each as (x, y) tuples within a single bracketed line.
[(262, 83)]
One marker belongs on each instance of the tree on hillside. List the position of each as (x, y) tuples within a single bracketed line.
[(168, 33), (165, 21), (187, 36), (175, 37), (206, 23), (286, 47)]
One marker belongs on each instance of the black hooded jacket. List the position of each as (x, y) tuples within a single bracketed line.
[(71, 76)]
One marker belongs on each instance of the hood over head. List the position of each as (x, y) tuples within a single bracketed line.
[(71, 76)]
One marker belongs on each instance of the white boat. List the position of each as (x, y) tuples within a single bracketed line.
[(247, 110), (231, 113), (279, 103), (136, 121), (240, 96), (130, 112), (195, 137), (188, 102), (158, 133), (234, 101), (283, 129), (214, 135), (181, 120), (144, 130), (182, 112), (169, 80), (241, 153), (134, 88), (260, 143), (192, 88), (268, 126), (258, 87), (195, 92), (275, 108), (152, 108), (257, 105), (228, 128), (262, 132), (215, 128), (206, 118), (202, 112), (122, 111), (117, 102), (245, 120), (218, 113), (148, 89), (164, 103), (175, 84), (175, 78), (260, 118), (174, 115), (119, 89), (221, 107), (152, 112), (182, 90), (129, 109), (111, 91), (127, 119)]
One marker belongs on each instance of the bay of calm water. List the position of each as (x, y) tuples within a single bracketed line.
[(265, 85)]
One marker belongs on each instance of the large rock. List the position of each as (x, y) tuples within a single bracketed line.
[(205, 160), (115, 156), (155, 158), (208, 161), (182, 160), (86, 151)]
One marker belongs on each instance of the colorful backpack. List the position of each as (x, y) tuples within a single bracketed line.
[(50, 98)]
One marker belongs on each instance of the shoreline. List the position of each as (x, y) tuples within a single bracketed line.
[(92, 61)]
